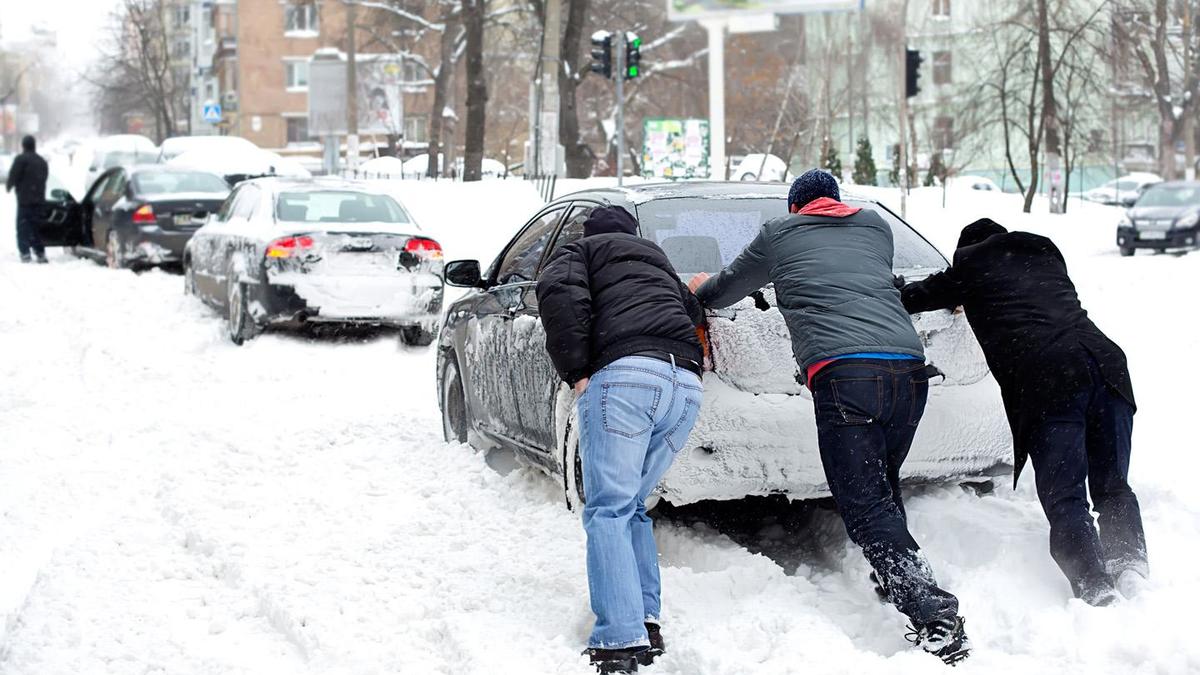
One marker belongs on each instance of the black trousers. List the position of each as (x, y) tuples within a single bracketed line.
[(867, 414), (28, 237), (1084, 445)]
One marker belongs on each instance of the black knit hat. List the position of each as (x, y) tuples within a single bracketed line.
[(609, 220), (813, 184), (979, 230)]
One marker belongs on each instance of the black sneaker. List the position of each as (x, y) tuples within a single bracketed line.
[(26, 258), (657, 646), (880, 589), (944, 638), (614, 660), (42, 260)]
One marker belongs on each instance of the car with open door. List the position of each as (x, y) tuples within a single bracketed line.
[(756, 434), (61, 219), (142, 216), (286, 252)]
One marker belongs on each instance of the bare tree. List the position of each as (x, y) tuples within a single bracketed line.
[(477, 94)]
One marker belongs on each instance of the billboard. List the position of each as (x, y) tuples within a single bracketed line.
[(380, 79), (675, 148), (687, 10)]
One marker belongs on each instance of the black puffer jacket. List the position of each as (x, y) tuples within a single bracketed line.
[(613, 294), (27, 176)]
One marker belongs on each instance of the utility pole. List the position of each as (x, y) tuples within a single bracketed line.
[(902, 60), (352, 87), (716, 94), (544, 152)]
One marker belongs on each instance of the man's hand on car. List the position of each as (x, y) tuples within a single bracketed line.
[(581, 386), (698, 280)]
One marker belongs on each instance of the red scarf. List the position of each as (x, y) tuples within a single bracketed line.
[(825, 206)]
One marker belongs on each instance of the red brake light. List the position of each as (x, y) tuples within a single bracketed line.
[(144, 215), (424, 248), (284, 247)]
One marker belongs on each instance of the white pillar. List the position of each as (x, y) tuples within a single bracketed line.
[(716, 95)]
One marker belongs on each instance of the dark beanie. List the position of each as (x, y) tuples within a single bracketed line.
[(28, 144), (813, 184), (978, 231), (609, 220)]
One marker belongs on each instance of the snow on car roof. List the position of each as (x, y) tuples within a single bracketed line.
[(647, 192)]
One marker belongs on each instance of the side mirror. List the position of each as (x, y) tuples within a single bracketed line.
[(60, 195), (464, 274)]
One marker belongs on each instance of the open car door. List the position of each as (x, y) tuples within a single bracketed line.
[(61, 221)]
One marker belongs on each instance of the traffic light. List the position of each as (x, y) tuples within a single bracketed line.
[(602, 53), (633, 55), (912, 72)]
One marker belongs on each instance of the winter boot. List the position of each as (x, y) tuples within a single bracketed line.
[(944, 638), (26, 258), (1131, 582), (42, 259), (657, 646), (880, 589), (614, 660), (1098, 595)]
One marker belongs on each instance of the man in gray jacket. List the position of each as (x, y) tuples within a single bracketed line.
[(859, 354)]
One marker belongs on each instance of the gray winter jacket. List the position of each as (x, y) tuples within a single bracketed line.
[(833, 283)]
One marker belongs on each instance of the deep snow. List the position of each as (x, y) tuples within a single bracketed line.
[(172, 503)]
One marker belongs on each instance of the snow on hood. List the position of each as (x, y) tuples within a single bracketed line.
[(234, 161)]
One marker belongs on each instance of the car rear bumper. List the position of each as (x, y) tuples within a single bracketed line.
[(746, 444), (413, 299), (1128, 237), (157, 247)]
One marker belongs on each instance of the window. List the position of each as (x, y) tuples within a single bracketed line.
[(114, 188), (521, 260), (160, 182), (414, 71), (338, 206), (943, 132), (300, 17), (295, 74), (181, 49), (226, 211), (182, 15), (572, 229), (941, 68), (416, 128), (941, 9), (247, 199), (297, 130)]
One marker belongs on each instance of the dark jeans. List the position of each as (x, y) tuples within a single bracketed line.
[(1085, 444), (867, 414), (28, 236)]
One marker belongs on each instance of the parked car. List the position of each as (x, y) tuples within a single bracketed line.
[(1123, 191), (110, 152), (176, 146), (760, 167), (134, 217), (756, 434), (237, 165), (285, 252), (1166, 216), (978, 183)]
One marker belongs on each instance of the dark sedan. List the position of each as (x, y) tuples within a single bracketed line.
[(134, 217), (755, 435), (1166, 216)]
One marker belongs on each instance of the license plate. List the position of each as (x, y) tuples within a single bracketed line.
[(183, 219), (360, 244), (1152, 235)]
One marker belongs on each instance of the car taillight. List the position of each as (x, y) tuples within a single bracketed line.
[(287, 246), (144, 215), (424, 248)]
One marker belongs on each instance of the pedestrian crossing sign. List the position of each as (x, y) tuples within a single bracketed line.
[(211, 113)]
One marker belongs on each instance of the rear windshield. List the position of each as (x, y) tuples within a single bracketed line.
[(125, 158), (333, 206), (168, 182), (705, 235), (1173, 195)]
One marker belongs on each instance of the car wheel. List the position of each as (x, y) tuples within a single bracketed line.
[(416, 336), (572, 464), (454, 403), (238, 320), (1126, 252), (113, 257)]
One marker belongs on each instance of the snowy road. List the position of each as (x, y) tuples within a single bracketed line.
[(170, 503)]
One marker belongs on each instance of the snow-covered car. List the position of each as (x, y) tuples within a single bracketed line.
[(756, 434), (760, 167), (978, 183), (418, 165), (134, 216), (1166, 216), (120, 150), (239, 164), (286, 252), (176, 146), (1123, 191)]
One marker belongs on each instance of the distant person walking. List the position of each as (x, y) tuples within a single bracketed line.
[(28, 177), (859, 354), (1067, 391), (621, 329)]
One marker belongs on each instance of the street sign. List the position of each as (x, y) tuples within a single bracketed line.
[(676, 148), (211, 112)]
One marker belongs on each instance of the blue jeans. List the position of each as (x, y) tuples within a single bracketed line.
[(867, 415), (634, 416)]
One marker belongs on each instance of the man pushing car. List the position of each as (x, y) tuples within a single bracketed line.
[(859, 354)]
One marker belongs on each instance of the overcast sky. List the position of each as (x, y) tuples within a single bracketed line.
[(79, 24)]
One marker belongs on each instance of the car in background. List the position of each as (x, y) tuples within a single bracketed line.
[(978, 183), (756, 434), (177, 145), (134, 217), (289, 252), (1123, 191), (760, 167), (1166, 216), (110, 152), (237, 165)]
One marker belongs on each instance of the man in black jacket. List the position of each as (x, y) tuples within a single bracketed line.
[(28, 176), (621, 329), (1067, 392)]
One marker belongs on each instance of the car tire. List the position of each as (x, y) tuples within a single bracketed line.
[(416, 336), (239, 322), (454, 403), (113, 257), (1126, 252), (572, 464)]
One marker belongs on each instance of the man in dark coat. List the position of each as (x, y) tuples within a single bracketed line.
[(621, 329), (859, 354), (1066, 390), (28, 177)]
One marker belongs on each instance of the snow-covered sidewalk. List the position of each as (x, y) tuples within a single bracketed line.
[(170, 503)]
